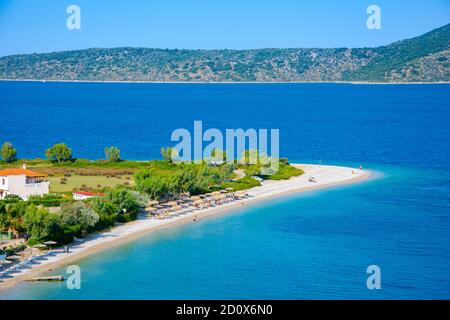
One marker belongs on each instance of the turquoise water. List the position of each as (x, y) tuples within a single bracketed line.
[(311, 245)]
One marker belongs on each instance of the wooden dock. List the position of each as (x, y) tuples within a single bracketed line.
[(49, 278)]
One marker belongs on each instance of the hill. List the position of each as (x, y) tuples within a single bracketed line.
[(424, 58)]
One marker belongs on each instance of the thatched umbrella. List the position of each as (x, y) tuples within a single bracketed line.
[(150, 209), (195, 198), (198, 202), (40, 246), (152, 203), (12, 258), (4, 263), (50, 243), (172, 203)]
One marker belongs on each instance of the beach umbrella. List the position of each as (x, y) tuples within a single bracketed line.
[(195, 198), (39, 246), (50, 243), (12, 258), (152, 203), (172, 203), (150, 209), (5, 263), (215, 193)]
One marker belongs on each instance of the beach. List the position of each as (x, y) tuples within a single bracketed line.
[(324, 176)]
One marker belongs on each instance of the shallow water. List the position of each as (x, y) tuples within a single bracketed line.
[(311, 245)]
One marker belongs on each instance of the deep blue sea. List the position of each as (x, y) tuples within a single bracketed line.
[(311, 245)]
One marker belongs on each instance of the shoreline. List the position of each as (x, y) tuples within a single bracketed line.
[(224, 82), (326, 176)]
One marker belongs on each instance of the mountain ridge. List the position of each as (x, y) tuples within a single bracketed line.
[(425, 58)]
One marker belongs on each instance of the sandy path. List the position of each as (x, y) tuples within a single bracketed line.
[(325, 176)]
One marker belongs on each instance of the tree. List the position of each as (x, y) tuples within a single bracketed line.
[(9, 154), (41, 224), (169, 154), (59, 152), (119, 203), (218, 155), (77, 215), (112, 154), (157, 185), (123, 199)]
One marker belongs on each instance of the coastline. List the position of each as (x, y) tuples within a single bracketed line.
[(225, 82), (326, 176)]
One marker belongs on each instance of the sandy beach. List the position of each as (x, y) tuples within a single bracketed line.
[(325, 176)]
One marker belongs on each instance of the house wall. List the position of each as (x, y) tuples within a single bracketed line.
[(4, 186), (77, 196), (18, 186)]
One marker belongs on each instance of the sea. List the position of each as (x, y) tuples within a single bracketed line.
[(320, 244)]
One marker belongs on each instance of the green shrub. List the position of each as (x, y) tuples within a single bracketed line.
[(241, 184)]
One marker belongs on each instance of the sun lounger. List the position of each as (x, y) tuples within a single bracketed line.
[(76, 240)]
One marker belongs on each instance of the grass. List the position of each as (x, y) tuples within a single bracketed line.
[(83, 174), (61, 184), (285, 172), (241, 184)]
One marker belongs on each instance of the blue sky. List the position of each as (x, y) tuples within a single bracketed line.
[(28, 26)]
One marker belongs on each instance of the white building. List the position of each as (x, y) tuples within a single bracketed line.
[(83, 195), (22, 182)]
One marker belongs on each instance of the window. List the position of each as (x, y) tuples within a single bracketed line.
[(3, 181)]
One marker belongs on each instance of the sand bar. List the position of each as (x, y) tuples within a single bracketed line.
[(324, 176)]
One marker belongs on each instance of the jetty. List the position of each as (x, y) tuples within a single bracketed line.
[(48, 278)]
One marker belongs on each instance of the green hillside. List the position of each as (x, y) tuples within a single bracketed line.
[(424, 58)]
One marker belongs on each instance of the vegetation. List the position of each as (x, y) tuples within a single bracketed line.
[(59, 152), (41, 224), (168, 154), (48, 200), (72, 218), (112, 154), (102, 180), (168, 181), (285, 171), (424, 58), (241, 184), (119, 203), (57, 217), (8, 153)]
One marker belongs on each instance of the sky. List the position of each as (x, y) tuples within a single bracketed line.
[(29, 26)]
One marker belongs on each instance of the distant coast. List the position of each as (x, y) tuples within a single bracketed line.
[(227, 82)]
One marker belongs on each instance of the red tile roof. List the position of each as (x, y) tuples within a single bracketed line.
[(90, 194), (20, 171)]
